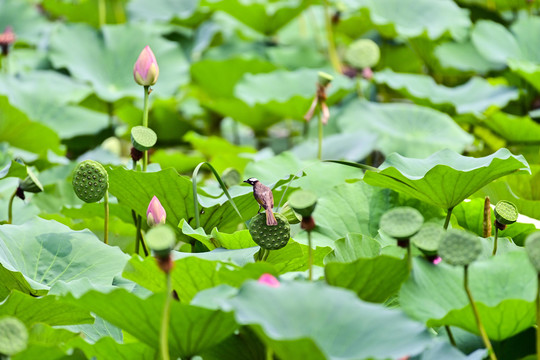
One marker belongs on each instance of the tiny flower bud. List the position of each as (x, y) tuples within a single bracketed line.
[(269, 280), (6, 38), (146, 70), (155, 214)]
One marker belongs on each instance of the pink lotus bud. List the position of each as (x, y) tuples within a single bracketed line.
[(269, 280), (146, 70), (155, 215), (367, 73), (437, 260)]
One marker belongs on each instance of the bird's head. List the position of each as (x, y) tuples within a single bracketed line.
[(251, 181)]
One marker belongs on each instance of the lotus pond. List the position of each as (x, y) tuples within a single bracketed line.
[(270, 179)]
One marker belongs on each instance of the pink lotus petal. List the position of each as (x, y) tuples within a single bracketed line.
[(146, 69), (437, 260), (269, 280), (155, 213)]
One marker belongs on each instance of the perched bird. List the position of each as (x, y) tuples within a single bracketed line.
[(263, 195)]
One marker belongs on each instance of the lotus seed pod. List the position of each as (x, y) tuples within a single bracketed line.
[(324, 78), (270, 237), (143, 138), (13, 336), (90, 181), (428, 238), (459, 247), (401, 222), (363, 53), (532, 246), (303, 202), (161, 240), (290, 214), (31, 183), (506, 213)]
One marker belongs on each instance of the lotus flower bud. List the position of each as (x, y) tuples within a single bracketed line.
[(269, 280), (146, 70), (155, 215)]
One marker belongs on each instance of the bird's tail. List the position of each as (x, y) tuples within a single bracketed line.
[(270, 218)]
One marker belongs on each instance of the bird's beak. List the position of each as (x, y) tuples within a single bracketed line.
[(246, 181)]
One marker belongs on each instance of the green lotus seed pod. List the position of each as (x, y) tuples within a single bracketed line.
[(290, 214), (303, 202), (428, 238), (31, 183), (143, 138), (459, 247), (231, 177), (402, 222), (90, 181), (13, 336), (506, 213), (363, 53), (270, 237), (324, 78), (532, 246), (161, 240)]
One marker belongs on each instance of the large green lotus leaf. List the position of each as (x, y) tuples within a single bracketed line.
[(294, 257), (515, 129), (522, 190), (529, 71), (161, 10), (464, 56), (192, 274), (443, 350), (215, 81), (19, 131), (270, 170), (470, 215), (28, 24), (244, 345), (407, 129), (192, 329), (86, 11), (37, 254), (288, 93), (266, 17), (498, 5), (48, 309), (105, 58), (108, 349), (475, 96), (238, 240), (373, 277), (357, 330), (445, 178), (498, 44), (136, 189), (14, 169), (219, 152), (348, 208), (49, 98), (415, 18), (503, 287)]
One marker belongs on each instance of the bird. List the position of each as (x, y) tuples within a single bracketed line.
[(263, 195)]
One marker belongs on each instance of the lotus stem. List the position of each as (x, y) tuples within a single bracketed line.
[(450, 335), (319, 118), (139, 233), (102, 12), (266, 254), (332, 53), (496, 240), (487, 218), (481, 329), (106, 222), (145, 124), (164, 334), (448, 216), (10, 207), (409, 257), (269, 354)]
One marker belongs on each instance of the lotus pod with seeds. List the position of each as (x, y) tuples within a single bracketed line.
[(13, 336), (143, 138), (459, 247), (90, 181), (428, 238), (401, 222), (303, 202), (506, 213), (532, 246), (270, 237), (363, 53), (31, 183)]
